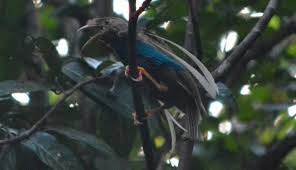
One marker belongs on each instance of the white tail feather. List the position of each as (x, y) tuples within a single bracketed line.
[(205, 71), (206, 85), (172, 130), (177, 123)]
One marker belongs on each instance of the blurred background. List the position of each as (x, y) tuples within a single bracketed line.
[(251, 125)]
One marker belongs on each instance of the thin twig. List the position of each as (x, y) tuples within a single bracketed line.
[(137, 98), (139, 11), (248, 41), (29, 132)]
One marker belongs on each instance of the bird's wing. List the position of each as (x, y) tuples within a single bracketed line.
[(205, 79)]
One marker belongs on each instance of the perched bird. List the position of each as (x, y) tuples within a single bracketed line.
[(165, 76)]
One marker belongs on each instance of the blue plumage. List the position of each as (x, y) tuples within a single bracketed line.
[(150, 53), (168, 78), (147, 55)]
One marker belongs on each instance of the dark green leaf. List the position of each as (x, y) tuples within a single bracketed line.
[(85, 138), (49, 54), (12, 86), (52, 153), (119, 101), (117, 132), (8, 161)]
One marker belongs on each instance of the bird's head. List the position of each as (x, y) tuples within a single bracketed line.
[(104, 33)]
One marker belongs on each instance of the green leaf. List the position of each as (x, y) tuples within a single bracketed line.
[(11, 86), (49, 53), (275, 23), (8, 161), (52, 153), (85, 138), (291, 51), (116, 131), (119, 101)]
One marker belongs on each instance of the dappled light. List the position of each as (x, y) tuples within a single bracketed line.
[(37, 3), (225, 127), (22, 98), (165, 25), (245, 90), (147, 84), (62, 47), (215, 108), (292, 111), (174, 161)]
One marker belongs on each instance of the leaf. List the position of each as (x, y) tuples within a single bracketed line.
[(49, 54), (112, 164), (117, 132), (119, 101), (84, 138), (52, 153), (11, 86), (8, 161)]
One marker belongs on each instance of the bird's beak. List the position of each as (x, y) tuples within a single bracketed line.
[(95, 46), (86, 27)]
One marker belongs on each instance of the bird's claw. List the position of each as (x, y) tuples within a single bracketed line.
[(140, 74)]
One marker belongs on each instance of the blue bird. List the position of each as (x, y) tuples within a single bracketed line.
[(165, 76)]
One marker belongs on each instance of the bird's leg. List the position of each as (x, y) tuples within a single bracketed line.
[(142, 71), (115, 82), (149, 113)]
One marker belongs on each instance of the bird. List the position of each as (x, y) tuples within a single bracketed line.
[(163, 75)]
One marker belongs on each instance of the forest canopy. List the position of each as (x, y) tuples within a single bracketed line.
[(61, 110)]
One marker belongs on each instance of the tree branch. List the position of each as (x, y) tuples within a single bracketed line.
[(260, 49), (248, 41), (33, 129), (192, 38), (185, 152), (192, 44), (137, 98), (273, 158)]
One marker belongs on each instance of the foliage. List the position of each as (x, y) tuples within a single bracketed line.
[(94, 130)]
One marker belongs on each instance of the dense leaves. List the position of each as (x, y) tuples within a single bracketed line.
[(84, 138), (10, 86), (8, 160), (51, 152), (250, 124)]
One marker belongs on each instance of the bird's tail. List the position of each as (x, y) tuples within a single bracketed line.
[(192, 121)]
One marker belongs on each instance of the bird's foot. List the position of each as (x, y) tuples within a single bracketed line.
[(142, 71), (137, 79), (148, 114)]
